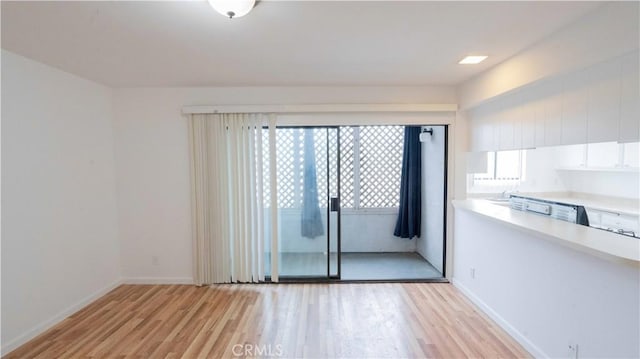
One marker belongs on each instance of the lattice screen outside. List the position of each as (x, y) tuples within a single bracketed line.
[(290, 165), (332, 135), (380, 166), (347, 175), (371, 165), (320, 145)]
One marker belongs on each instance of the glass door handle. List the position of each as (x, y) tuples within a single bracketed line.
[(335, 204)]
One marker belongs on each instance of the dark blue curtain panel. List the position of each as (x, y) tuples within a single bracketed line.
[(408, 223)]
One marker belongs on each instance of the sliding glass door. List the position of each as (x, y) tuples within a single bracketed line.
[(322, 170), (308, 202)]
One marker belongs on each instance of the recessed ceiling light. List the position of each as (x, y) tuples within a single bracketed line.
[(472, 60)]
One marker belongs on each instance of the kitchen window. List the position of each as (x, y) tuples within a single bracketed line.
[(504, 168)]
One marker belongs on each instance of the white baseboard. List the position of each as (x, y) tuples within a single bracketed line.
[(158, 280), (506, 326), (47, 324)]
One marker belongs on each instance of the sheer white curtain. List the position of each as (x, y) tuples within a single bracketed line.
[(227, 197)]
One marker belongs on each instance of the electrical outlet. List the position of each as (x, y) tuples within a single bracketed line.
[(573, 351), (472, 273), (155, 261)]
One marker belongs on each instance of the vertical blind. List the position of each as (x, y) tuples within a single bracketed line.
[(228, 212)]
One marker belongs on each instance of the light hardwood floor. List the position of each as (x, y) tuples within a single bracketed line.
[(378, 320)]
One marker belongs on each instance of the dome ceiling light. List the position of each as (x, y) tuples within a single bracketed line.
[(232, 8)]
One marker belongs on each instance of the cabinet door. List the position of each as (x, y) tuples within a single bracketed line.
[(604, 102), (481, 130), (527, 120), (475, 126), (537, 113), (574, 108), (540, 130), (630, 100), (553, 112), (491, 128), (505, 120), (524, 129), (495, 131), (516, 122)]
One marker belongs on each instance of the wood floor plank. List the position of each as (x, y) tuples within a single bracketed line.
[(381, 320)]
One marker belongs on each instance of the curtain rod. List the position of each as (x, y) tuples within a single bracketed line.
[(326, 108)]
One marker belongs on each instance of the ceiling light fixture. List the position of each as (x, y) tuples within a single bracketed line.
[(232, 8), (472, 60)]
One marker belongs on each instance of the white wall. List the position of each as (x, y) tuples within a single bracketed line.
[(541, 174), (430, 244), (59, 229), (609, 31), (612, 184), (153, 162), (459, 155), (548, 296)]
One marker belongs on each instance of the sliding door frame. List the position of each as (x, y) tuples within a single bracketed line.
[(328, 277), (445, 202), (338, 279), (329, 206)]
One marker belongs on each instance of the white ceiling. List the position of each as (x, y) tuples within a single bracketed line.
[(280, 43)]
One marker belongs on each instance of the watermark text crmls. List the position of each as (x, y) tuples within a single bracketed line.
[(253, 350)]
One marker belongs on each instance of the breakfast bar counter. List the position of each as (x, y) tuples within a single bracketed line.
[(597, 242)]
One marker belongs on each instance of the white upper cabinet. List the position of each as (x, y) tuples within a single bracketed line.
[(598, 104), (517, 118), (505, 131), (474, 130), (604, 102), (629, 129), (476, 117), (552, 103), (481, 130), (533, 116), (575, 99), (528, 120), (506, 120)]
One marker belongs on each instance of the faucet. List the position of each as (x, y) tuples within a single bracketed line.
[(507, 193)]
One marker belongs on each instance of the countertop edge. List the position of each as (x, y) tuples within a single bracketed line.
[(603, 244)]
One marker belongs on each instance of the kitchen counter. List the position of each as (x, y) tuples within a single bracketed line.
[(594, 241)]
